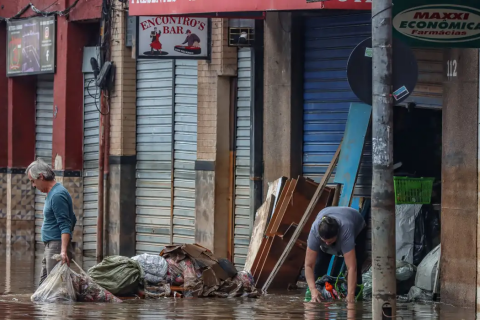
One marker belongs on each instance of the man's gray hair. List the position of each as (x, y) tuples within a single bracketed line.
[(38, 167)]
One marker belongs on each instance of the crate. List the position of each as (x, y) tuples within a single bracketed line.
[(413, 190)]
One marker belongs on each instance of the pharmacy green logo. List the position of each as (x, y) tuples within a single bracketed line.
[(439, 23)]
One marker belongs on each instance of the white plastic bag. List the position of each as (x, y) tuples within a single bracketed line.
[(405, 214), (155, 267), (57, 287)]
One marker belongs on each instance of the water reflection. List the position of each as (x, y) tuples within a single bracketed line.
[(17, 281), (17, 271), (269, 307)]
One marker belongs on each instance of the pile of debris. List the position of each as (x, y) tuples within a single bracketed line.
[(188, 270), (193, 271)]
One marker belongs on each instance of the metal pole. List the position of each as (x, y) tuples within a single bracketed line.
[(106, 175), (256, 118), (101, 163), (101, 152), (383, 198)]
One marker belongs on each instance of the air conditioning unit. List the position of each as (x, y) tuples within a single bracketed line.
[(241, 32)]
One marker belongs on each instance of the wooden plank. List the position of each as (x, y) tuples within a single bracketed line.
[(301, 196), (352, 148), (305, 218), (280, 210), (277, 188), (255, 267), (258, 231), (276, 247), (278, 218), (279, 202), (274, 189), (263, 258)]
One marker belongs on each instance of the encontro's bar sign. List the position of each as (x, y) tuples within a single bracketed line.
[(179, 7), (445, 25), (173, 37)]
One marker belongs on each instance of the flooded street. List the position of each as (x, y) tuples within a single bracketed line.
[(18, 281)]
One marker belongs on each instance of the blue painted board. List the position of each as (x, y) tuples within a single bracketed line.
[(352, 148)]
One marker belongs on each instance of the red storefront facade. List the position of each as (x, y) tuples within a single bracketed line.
[(177, 7), (21, 129)]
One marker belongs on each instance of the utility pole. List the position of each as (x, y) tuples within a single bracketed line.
[(383, 196)]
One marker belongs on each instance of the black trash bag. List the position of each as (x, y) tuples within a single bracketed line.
[(432, 228), (427, 233), (419, 243)]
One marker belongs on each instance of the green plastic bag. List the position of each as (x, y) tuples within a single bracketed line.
[(119, 275)]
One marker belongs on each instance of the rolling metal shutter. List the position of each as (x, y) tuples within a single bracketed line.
[(43, 147), (166, 132), (91, 124), (242, 213), (154, 155), (329, 40), (428, 92), (185, 151)]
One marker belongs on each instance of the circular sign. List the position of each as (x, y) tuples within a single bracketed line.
[(404, 75)]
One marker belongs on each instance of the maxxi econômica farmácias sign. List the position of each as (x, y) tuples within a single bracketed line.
[(438, 24)]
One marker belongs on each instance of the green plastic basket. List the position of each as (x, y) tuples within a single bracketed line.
[(413, 190)]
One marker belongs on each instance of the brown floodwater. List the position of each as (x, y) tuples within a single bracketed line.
[(18, 281)]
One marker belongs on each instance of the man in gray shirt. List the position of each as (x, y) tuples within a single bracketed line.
[(339, 231)]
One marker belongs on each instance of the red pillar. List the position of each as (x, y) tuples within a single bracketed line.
[(67, 148), (68, 97), (3, 137), (21, 121), (3, 100)]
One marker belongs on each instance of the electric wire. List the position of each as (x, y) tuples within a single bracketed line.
[(41, 12)]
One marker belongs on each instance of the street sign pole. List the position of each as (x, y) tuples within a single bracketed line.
[(383, 198)]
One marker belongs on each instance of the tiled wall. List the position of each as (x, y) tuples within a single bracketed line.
[(3, 196), (20, 211), (17, 212), (3, 208), (3, 231)]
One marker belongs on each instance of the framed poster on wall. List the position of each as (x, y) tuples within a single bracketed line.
[(31, 46), (168, 37)]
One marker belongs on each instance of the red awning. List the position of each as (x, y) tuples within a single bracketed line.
[(179, 7)]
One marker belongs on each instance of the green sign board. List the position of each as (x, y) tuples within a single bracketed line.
[(438, 23)]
